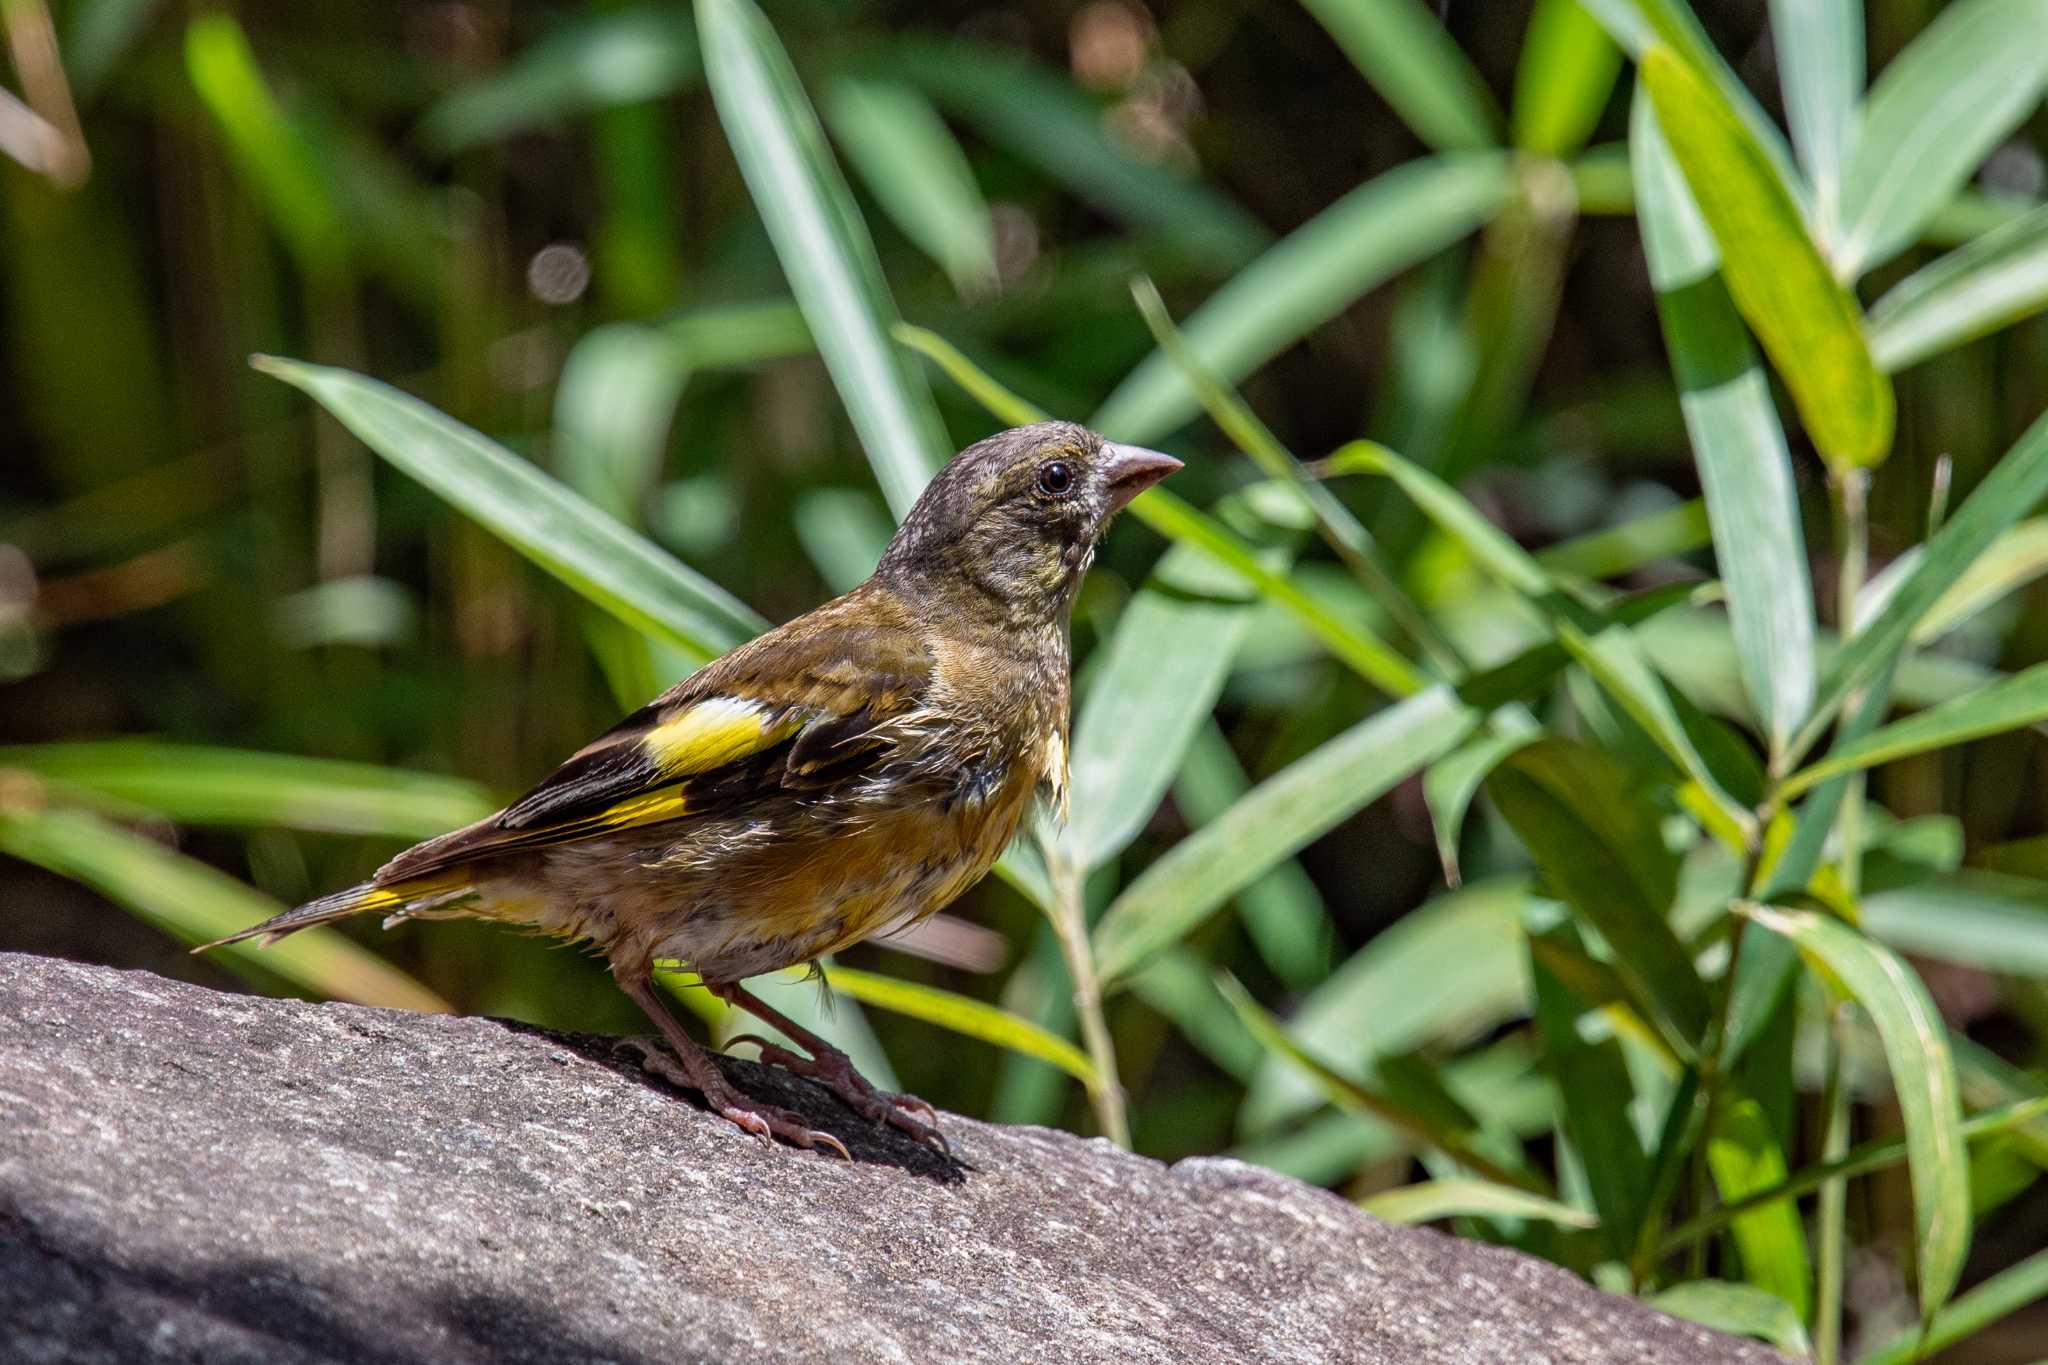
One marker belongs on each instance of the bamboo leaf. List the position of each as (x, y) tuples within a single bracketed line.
[(1741, 1310), (1745, 468), (1428, 1201), (1974, 919), (917, 171), (1808, 323), (1819, 46), (2017, 701), (1992, 282), (1451, 783), (592, 553), (1923, 1078), (822, 243), (196, 904), (1412, 62), (1745, 1157), (2005, 1293), (1280, 816), (1563, 79), (1372, 233), (968, 1017), (198, 785), (1931, 118)]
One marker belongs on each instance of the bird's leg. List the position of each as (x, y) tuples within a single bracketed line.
[(693, 1070), (831, 1066)]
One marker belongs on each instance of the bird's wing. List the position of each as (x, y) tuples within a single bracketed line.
[(796, 710)]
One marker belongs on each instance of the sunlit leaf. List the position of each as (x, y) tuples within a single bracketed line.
[(1745, 1158), (1428, 1201), (2018, 701), (1412, 62), (1563, 80), (1819, 47), (963, 1015), (1992, 282), (911, 163), (1741, 1310)]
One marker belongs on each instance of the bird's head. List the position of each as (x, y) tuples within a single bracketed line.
[(1015, 518)]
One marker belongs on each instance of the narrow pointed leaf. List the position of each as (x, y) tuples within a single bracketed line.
[(1416, 67), (1451, 783), (822, 243), (1280, 816), (1563, 80), (1428, 1201), (960, 1014), (197, 904), (592, 553), (1923, 1077), (1819, 46), (1808, 323), (1741, 1310), (1745, 1157), (2018, 701), (2002, 1294), (1974, 919), (1372, 233), (1934, 114), (1738, 444), (1992, 282), (913, 166)]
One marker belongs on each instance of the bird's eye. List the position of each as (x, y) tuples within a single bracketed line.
[(1056, 479)]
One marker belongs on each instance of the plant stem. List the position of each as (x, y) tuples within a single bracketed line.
[(1831, 1214), (1069, 916)]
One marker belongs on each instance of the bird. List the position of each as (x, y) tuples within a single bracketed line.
[(843, 776)]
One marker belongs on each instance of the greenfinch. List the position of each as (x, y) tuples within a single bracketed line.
[(842, 776)]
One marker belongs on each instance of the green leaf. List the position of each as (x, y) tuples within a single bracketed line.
[(1630, 545), (1409, 1097), (910, 161), (1808, 323), (1933, 115), (1992, 282), (2009, 492), (1492, 548), (1741, 1310), (196, 904), (1923, 1078), (2006, 1292), (270, 149), (1372, 233), (198, 785), (822, 243), (1281, 816), (967, 1017), (1429, 1201), (1819, 47), (1563, 79), (1745, 468), (616, 57), (2016, 558), (1472, 936), (1593, 1089), (1043, 118), (1973, 919), (1153, 683), (2018, 701), (976, 382), (1400, 47), (613, 405), (592, 553), (1454, 780), (1601, 851), (1744, 1156), (1182, 987)]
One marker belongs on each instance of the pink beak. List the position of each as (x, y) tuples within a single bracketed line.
[(1132, 470)]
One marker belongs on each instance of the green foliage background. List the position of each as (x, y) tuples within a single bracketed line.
[(1592, 801)]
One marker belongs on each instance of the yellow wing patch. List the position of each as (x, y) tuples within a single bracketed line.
[(711, 734)]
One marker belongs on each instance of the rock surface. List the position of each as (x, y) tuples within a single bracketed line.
[(186, 1175)]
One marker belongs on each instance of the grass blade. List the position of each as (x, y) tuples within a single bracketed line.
[(1973, 919), (196, 904), (963, 1015), (822, 243), (1429, 1201), (1738, 444), (2006, 1292), (1992, 282), (592, 553), (1819, 45), (1808, 323), (2018, 701), (1956, 92), (917, 171), (1563, 80), (1745, 1157), (1404, 52), (1377, 230), (1923, 1078), (198, 785), (1281, 816)]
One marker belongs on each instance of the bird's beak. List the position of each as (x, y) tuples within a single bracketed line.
[(1132, 470)]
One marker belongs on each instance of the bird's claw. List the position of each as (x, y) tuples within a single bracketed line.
[(763, 1121), (836, 1073)]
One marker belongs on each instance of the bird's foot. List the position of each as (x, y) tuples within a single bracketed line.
[(764, 1121), (834, 1070)]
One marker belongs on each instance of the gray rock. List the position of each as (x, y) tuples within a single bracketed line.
[(191, 1176)]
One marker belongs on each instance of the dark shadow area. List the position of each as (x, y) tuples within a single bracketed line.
[(868, 1143), (89, 1303)]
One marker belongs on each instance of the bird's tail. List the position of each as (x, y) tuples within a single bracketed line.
[(399, 898)]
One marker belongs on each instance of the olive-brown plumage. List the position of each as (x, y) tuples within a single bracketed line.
[(843, 775)]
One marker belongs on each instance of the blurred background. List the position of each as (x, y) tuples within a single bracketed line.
[(530, 216)]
